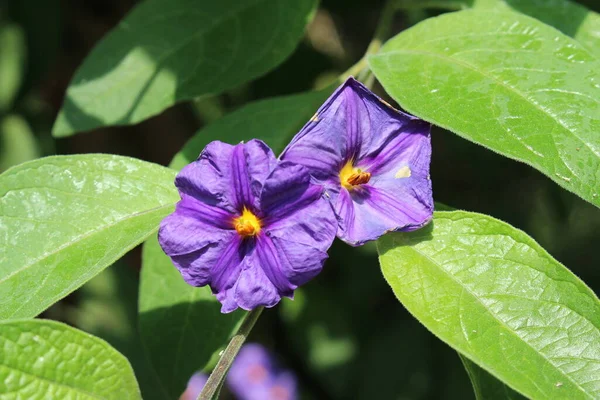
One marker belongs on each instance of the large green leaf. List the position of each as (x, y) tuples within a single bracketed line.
[(12, 63), (64, 219), (492, 293), (166, 51), (485, 385), (505, 81), (42, 359), (181, 326)]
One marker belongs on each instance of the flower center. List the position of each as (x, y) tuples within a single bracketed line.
[(247, 224), (351, 177)]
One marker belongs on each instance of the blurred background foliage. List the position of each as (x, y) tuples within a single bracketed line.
[(345, 335)]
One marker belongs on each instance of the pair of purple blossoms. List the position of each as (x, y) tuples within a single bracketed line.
[(254, 227), (253, 376)]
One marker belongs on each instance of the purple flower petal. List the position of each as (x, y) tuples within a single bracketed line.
[(195, 231), (287, 190), (373, 211), (382, 155), (226, 176), (283, 387), (251, 229), (194, 386), (251, 368), (251, 164), (409, 147), (226, 270), (255, 286), (253, 376), (288, 264), (321, 144)]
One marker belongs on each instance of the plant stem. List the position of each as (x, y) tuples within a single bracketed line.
[(215, 380)]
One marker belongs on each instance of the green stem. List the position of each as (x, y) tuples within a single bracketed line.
[(215, 380), (361, 69)]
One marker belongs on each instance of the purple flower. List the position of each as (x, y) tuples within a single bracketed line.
[(251, 228), (194, 386), (373, 159), (254, 376)]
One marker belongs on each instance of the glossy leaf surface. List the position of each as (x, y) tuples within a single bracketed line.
[(64, 219), (505, 81), (42, 359), (492, 293)]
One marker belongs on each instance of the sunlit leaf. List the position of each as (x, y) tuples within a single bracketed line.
[(166, 51), (505, 81), (48, 360), (493, 294), (64, 219)]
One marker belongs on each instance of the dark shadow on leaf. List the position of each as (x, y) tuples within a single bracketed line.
[(163, 53), (176, 351)]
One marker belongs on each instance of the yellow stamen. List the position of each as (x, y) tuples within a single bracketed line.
[(247, 224), (351, 177)]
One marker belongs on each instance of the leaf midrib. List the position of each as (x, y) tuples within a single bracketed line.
[(495, 317)]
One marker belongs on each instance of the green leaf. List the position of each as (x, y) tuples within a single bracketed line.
[(570, 18), (507, 82), (493, 294), (107, 308), (17, 143), (181, 326), (42, 359), (486, 386), (166, 51), (64, 219), (12, 62)]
